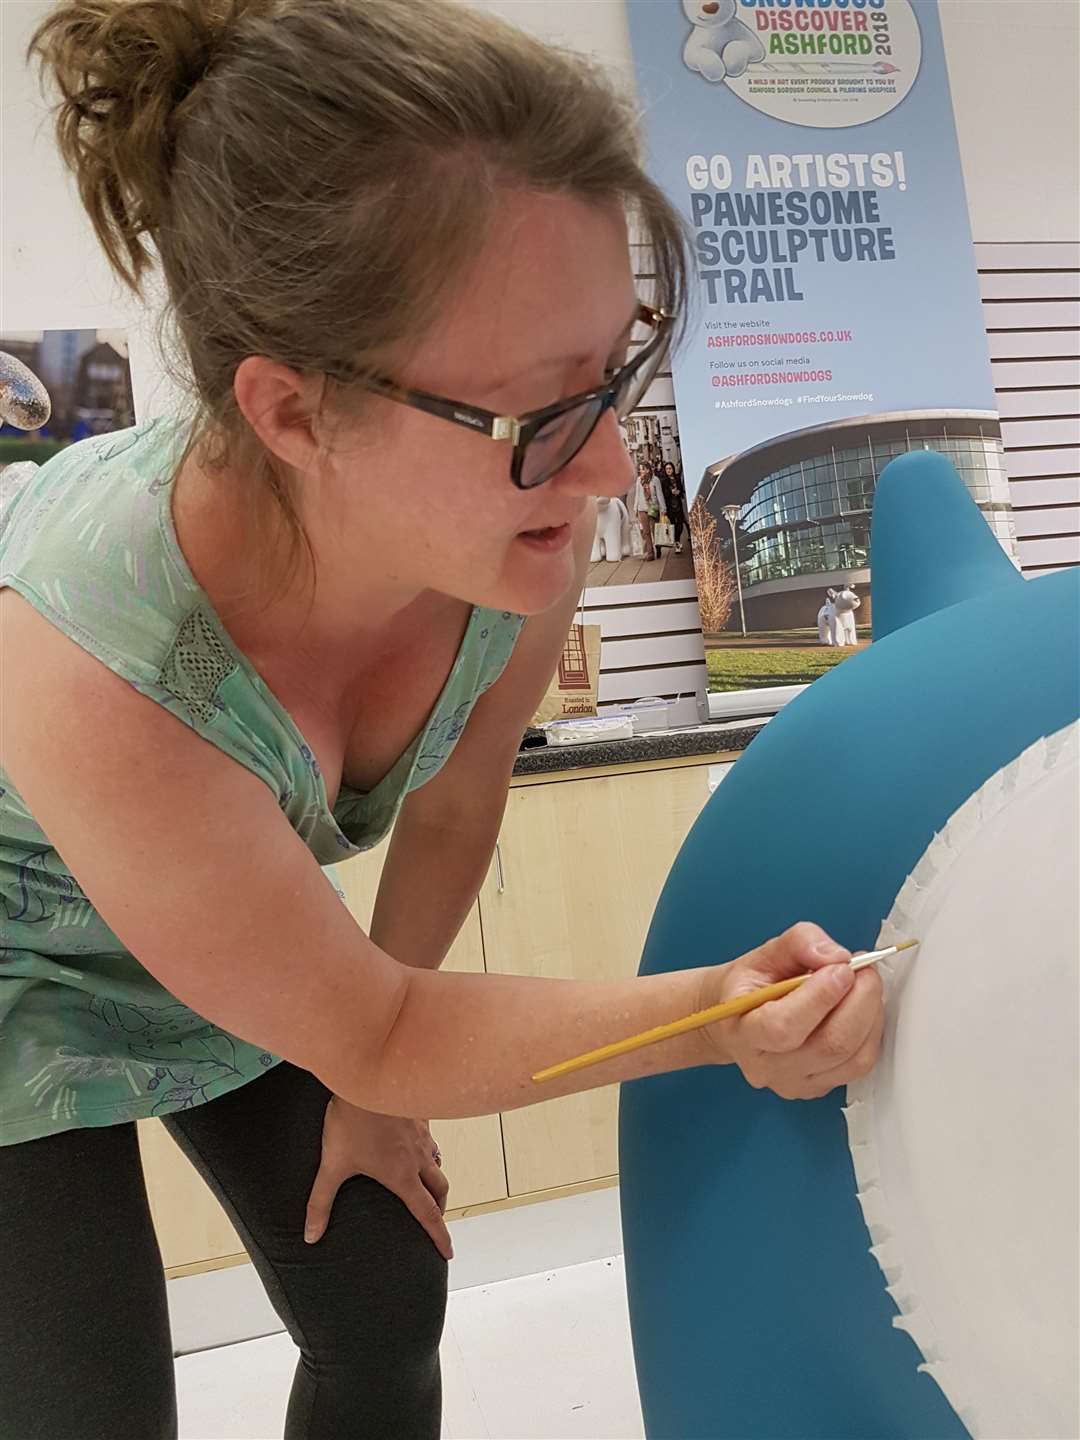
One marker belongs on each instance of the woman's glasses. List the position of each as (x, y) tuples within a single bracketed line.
[(545, 441)]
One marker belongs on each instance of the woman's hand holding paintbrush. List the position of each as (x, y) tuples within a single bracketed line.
[(823, 1032)]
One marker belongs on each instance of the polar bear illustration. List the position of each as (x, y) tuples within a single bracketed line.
[(719, 45)]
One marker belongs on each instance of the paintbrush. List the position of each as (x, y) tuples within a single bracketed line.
[(739, 1006)]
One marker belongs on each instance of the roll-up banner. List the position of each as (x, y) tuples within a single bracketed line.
[(834, 317)]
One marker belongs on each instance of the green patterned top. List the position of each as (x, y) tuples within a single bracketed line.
[(87, 1036)]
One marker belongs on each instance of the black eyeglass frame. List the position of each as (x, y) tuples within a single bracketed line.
[(520, 430)]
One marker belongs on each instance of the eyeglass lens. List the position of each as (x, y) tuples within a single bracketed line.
[(637, 383), (555, 444)]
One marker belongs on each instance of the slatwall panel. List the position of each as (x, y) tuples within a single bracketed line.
[(650, 644), (1031, 301)]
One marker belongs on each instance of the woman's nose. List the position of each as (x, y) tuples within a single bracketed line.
[(603, 465)]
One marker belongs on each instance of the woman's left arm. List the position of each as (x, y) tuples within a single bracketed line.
[(446, 832), (438, 856)]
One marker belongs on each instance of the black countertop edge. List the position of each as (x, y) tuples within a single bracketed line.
[(664, 745)]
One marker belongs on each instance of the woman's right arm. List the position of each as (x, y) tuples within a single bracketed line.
[(189, 860)]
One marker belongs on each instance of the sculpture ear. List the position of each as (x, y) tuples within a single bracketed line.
[(930, 545)]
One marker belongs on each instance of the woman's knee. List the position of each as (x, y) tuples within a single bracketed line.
[(386, 1278)]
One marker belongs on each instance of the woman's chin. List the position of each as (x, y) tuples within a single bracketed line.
[(539, 582), (528, 589), (531, 580)]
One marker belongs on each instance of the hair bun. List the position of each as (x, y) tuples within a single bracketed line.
[(123, 69)]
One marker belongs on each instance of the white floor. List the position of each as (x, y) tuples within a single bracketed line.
[(544, 1355)]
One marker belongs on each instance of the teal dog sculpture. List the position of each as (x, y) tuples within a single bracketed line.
[(757, 1310)]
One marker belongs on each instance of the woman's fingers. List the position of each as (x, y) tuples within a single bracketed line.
[(804, 947), (859, 1062), (320, 1202), (848, 1028), (787, 1024), (842, 1049), (437, 1183), (423, 1206), (823, 1034)]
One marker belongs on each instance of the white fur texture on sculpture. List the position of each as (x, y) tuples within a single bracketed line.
[(612, 538), (719, 44)]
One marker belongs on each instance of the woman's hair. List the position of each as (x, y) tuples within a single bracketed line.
[(315, 174)]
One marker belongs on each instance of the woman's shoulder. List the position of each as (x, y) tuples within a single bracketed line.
[(89, 478), (85, 538)]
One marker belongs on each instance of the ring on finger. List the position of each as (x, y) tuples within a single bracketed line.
[(436, 1155)]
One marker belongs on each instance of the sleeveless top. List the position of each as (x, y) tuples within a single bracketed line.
[(87, 1035)]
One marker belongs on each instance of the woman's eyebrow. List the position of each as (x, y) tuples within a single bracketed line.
[(549, 362)]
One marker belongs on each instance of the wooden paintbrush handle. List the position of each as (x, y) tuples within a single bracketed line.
[(696, 1021)]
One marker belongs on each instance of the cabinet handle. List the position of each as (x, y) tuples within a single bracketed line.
[(500, 879)]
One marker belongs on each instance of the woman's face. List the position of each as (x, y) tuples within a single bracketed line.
[(544, 314)]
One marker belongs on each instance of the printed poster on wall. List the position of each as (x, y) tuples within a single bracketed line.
[(61, 386), (835, 319)]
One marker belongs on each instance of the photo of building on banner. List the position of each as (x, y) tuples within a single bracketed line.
[(835, 320), (60, 386)]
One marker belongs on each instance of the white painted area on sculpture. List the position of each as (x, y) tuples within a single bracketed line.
[(966, 1138)]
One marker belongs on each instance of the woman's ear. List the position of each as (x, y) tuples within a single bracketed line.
[(279, 405)]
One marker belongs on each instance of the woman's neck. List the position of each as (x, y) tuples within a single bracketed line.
[(235, 546)]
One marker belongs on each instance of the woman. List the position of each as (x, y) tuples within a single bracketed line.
[(215, 682), (675, 502), (646, 505)]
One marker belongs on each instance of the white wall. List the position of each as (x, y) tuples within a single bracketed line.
[(53, 274), (1013, 68), (1014, 72)]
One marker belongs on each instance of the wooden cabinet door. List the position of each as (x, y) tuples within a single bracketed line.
[(191, 1226), (579, 869)]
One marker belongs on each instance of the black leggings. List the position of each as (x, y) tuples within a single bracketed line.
[(85, 1352)]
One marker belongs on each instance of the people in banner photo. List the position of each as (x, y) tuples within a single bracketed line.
[(647, 506), (671, 484), (633, 546)]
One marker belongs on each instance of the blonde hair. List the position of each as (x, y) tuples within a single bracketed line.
[(313, 174)]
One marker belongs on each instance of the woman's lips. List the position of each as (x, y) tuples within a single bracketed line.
[(547, 539)]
